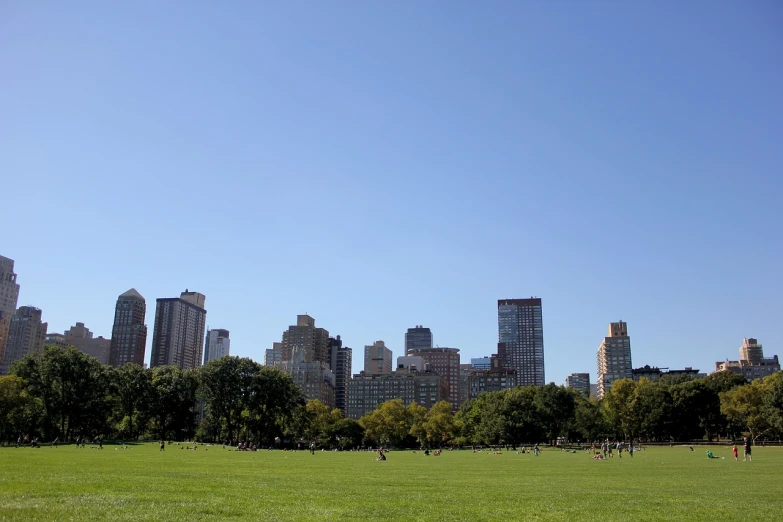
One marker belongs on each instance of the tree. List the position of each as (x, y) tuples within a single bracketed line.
[(743, 406), (274, 406), (417, 416), (132, 388), (691, 410), (714, 421), (587, 423), (555, 405), (388, 424), (651, 405), (618, 407), (349, 433), (519, 416), (20, 412), (439, 423), (226, 385), (772, 402), (322, 421), (173, 401), (73, 388)]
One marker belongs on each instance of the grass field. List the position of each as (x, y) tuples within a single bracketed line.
[(142, 483)]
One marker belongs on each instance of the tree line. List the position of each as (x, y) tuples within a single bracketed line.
[(65, 394)]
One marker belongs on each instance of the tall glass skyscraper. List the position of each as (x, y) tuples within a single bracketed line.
[(521, 339)]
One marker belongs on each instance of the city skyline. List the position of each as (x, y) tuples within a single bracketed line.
[(260, 353)]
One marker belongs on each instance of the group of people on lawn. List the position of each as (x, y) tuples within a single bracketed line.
[(746, 443), (607, 448)]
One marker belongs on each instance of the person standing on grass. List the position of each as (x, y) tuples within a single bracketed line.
[(536, 450), (734, 450), (747, 455), (630, 449), (162, 445)]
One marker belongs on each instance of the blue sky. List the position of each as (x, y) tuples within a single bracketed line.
[(379, 165)]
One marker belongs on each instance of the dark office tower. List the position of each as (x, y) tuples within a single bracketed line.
[(129, 333), (340, 364), (521, 339), (418, 338), (178, 337)]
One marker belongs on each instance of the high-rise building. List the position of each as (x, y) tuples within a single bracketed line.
[(26, 335), (521, 339), (305, 357), (217, 344), (614, 357), (368, 391), (9, 298), (129, 333), (377, 359), (417, 338), (81, 338), (340, 365), (177, 339), (273, 355), (579, 382), (752, 363), (314, 342), (444, 362), (751, 351)]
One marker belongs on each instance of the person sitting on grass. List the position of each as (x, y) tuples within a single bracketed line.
[(710, 455)]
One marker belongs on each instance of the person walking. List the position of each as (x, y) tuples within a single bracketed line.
[(747, 455)]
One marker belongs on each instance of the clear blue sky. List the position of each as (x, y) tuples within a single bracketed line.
[(379, 165)]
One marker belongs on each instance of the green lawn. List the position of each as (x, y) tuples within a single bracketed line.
[(142, 483)]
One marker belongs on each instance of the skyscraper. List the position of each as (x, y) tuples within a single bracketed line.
[(25, 336), (129, 333), (179, 331), (305, 357), (417, 338), (521, 339), (377, 359), (314, 342), (340, 364), (614, 358), (217, 344), (9, 298)]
